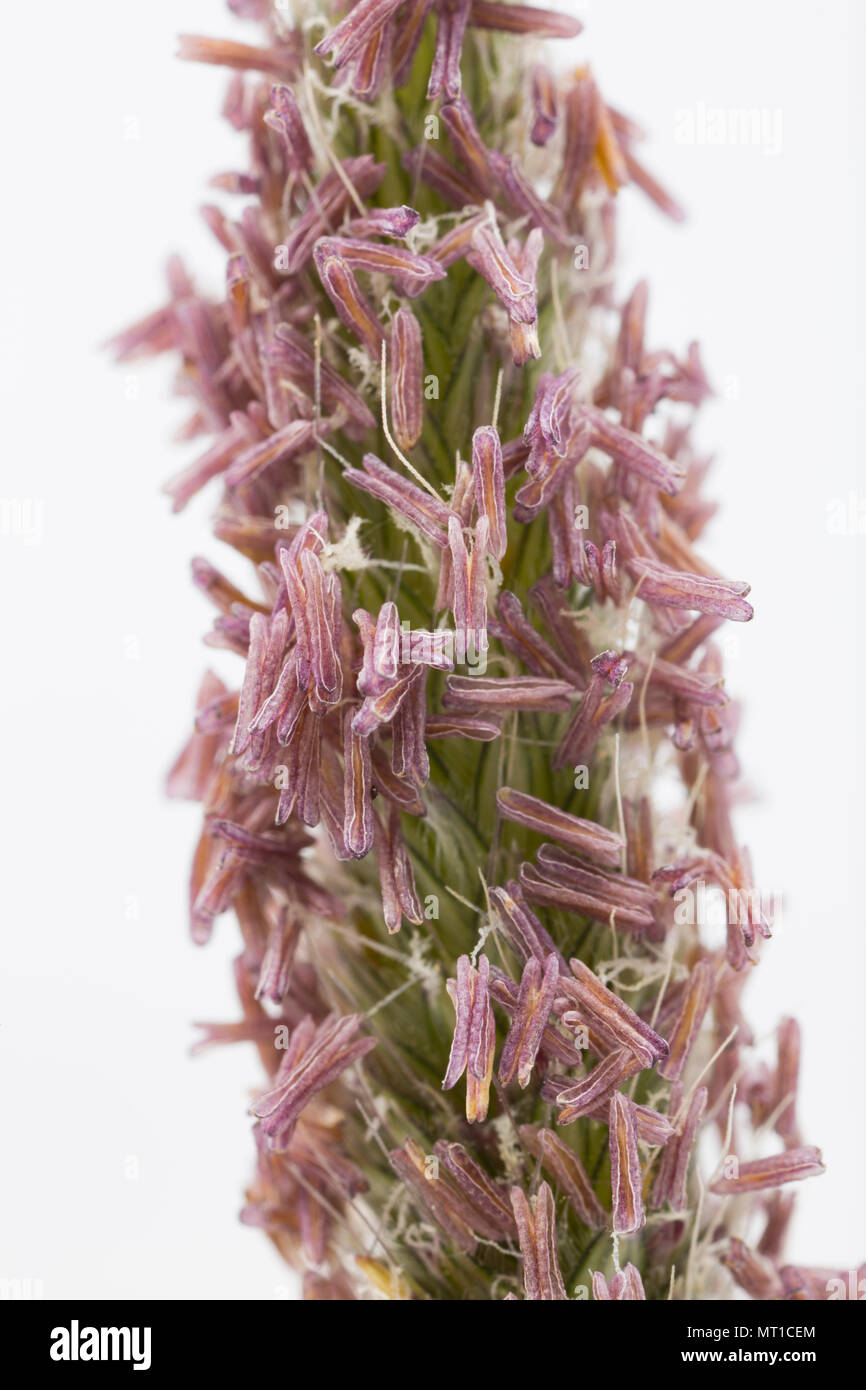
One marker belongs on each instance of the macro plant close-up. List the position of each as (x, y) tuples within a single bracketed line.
[(499, 1058), (445, 885)]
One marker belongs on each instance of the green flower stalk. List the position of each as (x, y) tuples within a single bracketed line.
[(474, 960)]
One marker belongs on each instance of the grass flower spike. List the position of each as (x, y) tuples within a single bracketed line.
[(502, 1059)]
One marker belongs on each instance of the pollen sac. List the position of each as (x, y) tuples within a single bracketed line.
[(407, 372)]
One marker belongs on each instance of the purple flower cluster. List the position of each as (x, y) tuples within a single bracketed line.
[(306, 372)]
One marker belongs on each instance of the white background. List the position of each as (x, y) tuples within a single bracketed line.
[(109, 142)]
